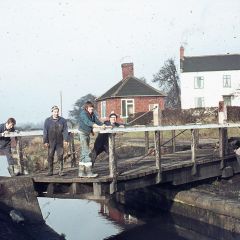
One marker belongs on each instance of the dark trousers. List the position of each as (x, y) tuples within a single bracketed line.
[(58, 148), (101, 144), (6, 150)]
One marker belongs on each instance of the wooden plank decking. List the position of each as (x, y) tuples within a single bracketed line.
[(140, 172)]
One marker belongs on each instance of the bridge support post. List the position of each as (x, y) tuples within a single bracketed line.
[(194, 140), (157, 140), (112, 163), (20, 154), (146, 134), (73, 189), (72, 150), (97, 189), (223, 145), (173, 141), (197, 138)]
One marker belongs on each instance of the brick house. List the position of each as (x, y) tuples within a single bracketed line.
[(129, 96)]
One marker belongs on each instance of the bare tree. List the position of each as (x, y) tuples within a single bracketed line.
[(75, 113), (168, 81)]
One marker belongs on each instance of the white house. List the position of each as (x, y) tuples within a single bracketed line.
[(206, 80)]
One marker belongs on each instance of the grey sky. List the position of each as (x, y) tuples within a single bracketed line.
[(77, 46)]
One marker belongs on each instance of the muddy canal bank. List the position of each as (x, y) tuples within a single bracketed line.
[(20, 214)]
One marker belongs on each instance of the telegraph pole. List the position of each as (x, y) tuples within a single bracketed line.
[(61, 110)]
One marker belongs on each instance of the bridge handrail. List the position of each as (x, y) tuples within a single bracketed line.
[(30, 133), (170, 127), (133, 129)]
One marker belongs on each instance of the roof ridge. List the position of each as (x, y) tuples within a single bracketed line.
[(215, 55)]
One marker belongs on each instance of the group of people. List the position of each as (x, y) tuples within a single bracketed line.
[(55, 137)]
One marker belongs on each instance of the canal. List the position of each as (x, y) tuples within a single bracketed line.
[(89, 220)]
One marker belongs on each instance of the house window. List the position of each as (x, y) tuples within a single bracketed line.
[(226, 81), (199, 102), (103, 109), (198, 82), (127, 107), (227, 100)]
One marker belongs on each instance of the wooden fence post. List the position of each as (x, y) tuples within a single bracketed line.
[(193, 149), (112, 163), (223, 145), (146, 142), (158, 154)]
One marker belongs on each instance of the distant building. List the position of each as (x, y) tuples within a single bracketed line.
[(206, 80), (129, 96)]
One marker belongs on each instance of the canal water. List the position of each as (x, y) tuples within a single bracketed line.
[(81, 219), (78, 219)]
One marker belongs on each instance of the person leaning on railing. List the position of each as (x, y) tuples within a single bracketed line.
[(101, 142), (5, 145), (88, 121)]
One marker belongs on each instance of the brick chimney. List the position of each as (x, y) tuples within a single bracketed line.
[(127, 70), (181, 53)]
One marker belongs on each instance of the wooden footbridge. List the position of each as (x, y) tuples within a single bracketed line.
[(115, 175)]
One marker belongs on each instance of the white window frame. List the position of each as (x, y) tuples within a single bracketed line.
[(226, 78), (196, 101), (201, 79), (133, 104), (103, 109)]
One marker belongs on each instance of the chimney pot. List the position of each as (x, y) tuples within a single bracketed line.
[(181, 53), (127, 70)]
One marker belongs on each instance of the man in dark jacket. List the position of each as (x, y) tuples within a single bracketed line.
[(101, 142), (5, 144), (54, 134), (88, 121)]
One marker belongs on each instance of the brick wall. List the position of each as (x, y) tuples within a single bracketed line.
[(141, 104), (111, 105)]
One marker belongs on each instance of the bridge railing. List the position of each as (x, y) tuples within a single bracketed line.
[(113, 172), (38, 133), (194, 129)]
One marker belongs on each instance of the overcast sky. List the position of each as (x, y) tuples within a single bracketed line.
[(77, 46)]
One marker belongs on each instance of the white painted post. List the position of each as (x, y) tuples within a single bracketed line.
[(157, 116), (222, 113)]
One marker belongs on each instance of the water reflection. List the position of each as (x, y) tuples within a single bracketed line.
[(77, 219), (82, 219)]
